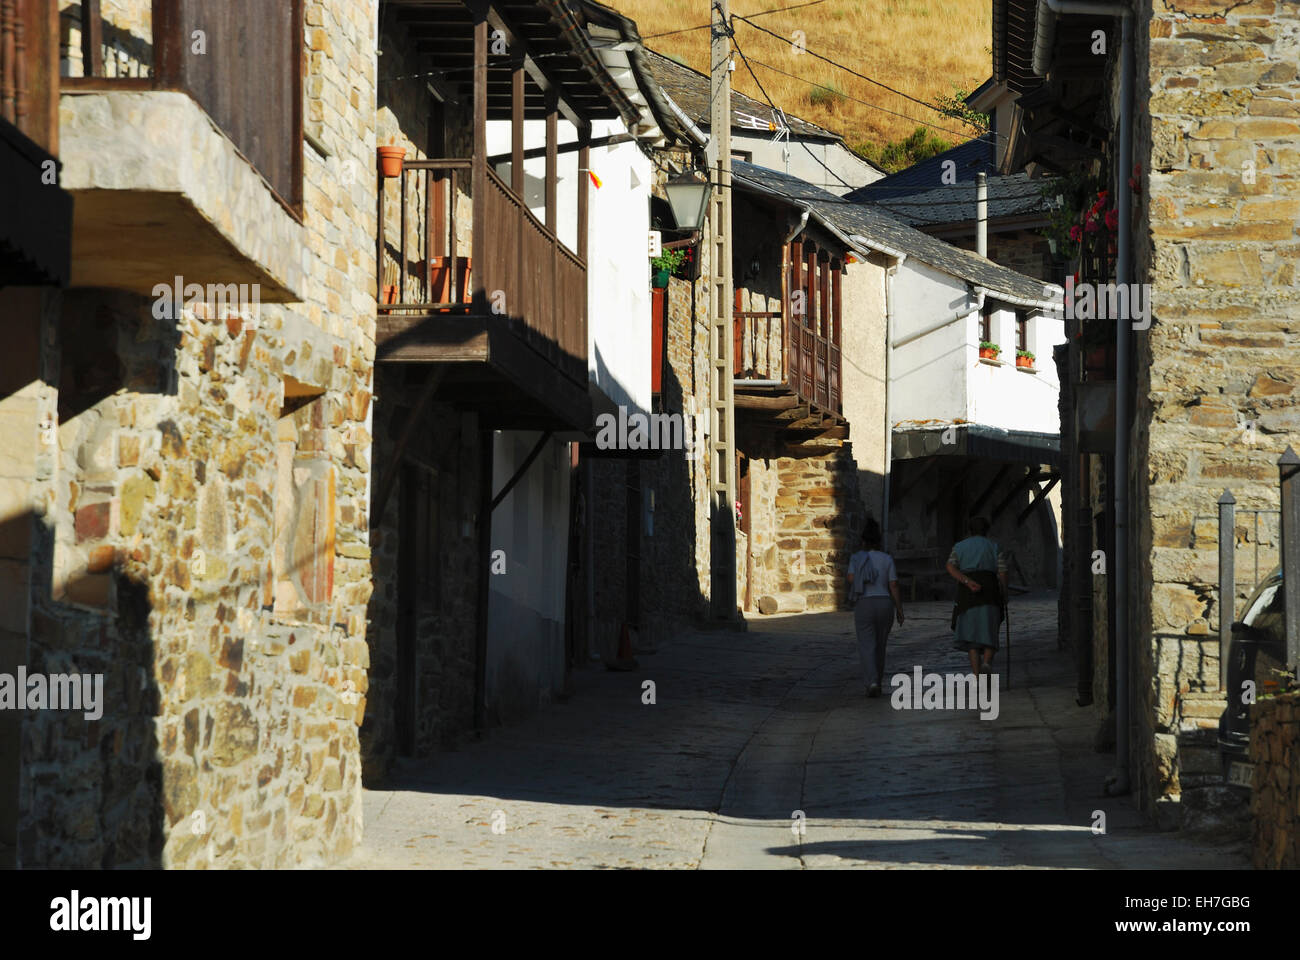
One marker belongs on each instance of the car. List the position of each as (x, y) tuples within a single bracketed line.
[(1256, 661)]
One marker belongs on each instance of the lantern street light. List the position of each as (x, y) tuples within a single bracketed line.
[(688, 195)]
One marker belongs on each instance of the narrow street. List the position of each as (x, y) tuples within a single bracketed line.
[(748, 728)]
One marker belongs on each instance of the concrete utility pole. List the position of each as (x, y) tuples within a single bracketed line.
[(721, 349)]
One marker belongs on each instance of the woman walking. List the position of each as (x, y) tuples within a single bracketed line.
[(980, 569), (873, 590)]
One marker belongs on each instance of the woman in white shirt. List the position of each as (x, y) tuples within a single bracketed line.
[(873, 590)]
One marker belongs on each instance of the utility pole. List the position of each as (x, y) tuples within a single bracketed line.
[(721, 348)]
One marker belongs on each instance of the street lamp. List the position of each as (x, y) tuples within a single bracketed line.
[(688, 195)]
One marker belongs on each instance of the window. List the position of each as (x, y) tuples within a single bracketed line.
[(1022, 330), (986, 324)]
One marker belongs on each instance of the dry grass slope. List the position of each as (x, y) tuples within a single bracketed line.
[(924, 48)]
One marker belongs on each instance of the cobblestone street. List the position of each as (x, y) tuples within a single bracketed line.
[(749, 728)]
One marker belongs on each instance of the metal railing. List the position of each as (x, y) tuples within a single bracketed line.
[(1287, 543)]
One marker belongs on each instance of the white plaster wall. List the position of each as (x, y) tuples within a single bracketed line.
[(1002, 396), (618, 269), (928, 374), (847, 170), (863, 378), (939, 376), (527, 601)]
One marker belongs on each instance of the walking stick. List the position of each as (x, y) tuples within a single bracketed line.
[(1006, 618)]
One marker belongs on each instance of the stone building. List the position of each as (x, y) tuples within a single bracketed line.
[(500, 336), (198, 492), (1214, 182)]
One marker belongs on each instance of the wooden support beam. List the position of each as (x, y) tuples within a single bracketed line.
[(1031, 476), (1039, 494), (517, 129), (389, 477), (479, 170), (750, 402), (523, 468)]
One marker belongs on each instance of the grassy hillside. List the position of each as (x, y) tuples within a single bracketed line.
[(925, 48)]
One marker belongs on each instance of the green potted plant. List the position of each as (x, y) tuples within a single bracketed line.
[(665, 265), (989, 350), (1024, 359)]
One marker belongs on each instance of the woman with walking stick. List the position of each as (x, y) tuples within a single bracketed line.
[(980, 569)]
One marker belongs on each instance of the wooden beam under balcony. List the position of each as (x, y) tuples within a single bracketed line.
[(492, 358)]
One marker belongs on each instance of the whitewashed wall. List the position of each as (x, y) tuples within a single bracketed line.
[(939, 376), (530, 527), (618, 268), (847, 171)]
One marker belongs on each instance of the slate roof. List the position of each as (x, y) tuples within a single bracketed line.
[(1014, 196), (878, 230), (971, 157), (690, 90), (918, 196)]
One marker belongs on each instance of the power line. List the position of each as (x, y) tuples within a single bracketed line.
[(779, 113), (705, 26), (840, 66), (925, 123)]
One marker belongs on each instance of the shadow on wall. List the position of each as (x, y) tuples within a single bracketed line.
[(80, 786)]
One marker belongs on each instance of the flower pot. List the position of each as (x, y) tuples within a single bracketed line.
[(390, 161), (1024, 362), (389, 295), (988, 354), (440, 268), (659, 279)]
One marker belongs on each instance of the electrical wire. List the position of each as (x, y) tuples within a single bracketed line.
[(762, 13)]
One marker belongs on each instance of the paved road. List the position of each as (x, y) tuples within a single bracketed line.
[(749, 728)]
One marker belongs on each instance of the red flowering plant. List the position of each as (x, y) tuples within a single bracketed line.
[(1076, 208)]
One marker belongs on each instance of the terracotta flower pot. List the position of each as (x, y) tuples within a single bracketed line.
[(1024, 362), (390, 161), (987, 354)]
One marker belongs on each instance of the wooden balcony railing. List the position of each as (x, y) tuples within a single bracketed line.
[(526, 273), (767, 347), (29, 79), (248, 78)]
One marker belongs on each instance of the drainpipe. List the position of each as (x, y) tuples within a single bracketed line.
[(982, 214), (1044, 32), (890, 272)]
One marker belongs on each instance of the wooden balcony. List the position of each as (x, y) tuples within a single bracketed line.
[(499, 310), (517, 310), (788, 363), (249, 82), (147, 209)]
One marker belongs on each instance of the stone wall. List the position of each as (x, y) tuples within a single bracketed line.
[(1275, 793), (1218, 138), (434, 505), (1025, 251), (676, 581), (806, 519), (204, 505)]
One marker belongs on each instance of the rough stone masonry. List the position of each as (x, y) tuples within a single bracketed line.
[(202, 531)]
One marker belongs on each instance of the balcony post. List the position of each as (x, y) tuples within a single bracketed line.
[(584, 185), (560, 325), (478, 172), (92, 39), (519, 286)]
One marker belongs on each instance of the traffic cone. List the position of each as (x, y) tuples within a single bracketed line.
[(624, 660)]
